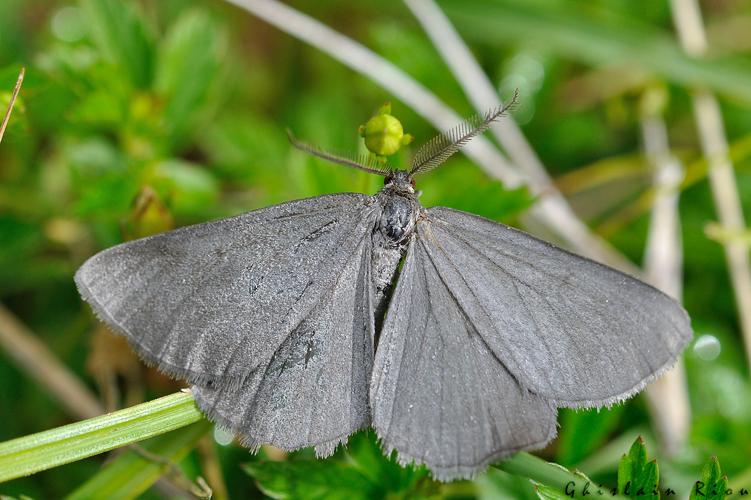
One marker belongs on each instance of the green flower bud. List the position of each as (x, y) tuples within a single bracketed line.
[(383, 133)]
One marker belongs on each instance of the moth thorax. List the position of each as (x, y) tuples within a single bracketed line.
[(397, 219)]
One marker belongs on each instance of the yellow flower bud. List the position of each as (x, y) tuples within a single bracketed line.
[(383, 133)]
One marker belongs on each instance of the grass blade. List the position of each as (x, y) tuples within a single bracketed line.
[(13, 97), (122, 35), (596, 37), (554, 476), (190, 59), (44, 450), (131, 473)]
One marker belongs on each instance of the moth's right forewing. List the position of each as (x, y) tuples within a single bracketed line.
[(212, 302), (439, 395)]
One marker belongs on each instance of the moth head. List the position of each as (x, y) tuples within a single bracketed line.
[(400, 181)]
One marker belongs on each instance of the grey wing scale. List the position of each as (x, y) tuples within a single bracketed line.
[(439, 395), (213, 302), (573, 331), (314, 390)]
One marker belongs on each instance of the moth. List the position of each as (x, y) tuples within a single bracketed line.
[(455, 337)]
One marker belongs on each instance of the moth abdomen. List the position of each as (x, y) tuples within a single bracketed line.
[(399, 212)]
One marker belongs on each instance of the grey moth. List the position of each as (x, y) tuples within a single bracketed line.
[(456, 338)]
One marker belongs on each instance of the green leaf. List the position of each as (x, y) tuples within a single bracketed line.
[(311, 479), (554, 476), (188, 187), (498, 484), (121, 35), (583, 432), (100, 107), (36, 452), (24, 263), (189, 62), (130, 474), (712, 485), (249, 149), (359, 470), (365, 454), (548, 493), (582, 32), (638, 478), (107, 199)]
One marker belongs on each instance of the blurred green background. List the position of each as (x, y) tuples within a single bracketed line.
[(139, 116)]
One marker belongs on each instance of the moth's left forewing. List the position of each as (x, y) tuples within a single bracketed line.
[(314, 389), (569, 329), (269, 314), (213, 301)]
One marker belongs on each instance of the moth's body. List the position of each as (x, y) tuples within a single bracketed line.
[(400, 211), (293, 328)]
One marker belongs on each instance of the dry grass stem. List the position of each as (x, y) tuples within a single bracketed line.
[(549, 211), (552, 209), (689, 25), (35, 359), (13, 97), (663, 264)]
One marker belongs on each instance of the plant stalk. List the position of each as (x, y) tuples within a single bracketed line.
[(690, 28), (44, 450), (13, 97), (549, 211), (526, 465)]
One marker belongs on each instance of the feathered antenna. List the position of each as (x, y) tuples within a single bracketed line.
[(438, 149), (13, 96), (365, 162)]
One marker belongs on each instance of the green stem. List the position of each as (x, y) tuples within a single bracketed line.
[(132, 473), (44, 450), (529, 466)]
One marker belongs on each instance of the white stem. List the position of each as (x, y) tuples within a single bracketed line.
[(479, 89), (378, 69), (688, 23), (690, 27), (663, 263), (551, 210), (555, 212)]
